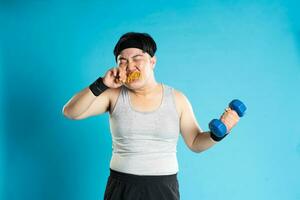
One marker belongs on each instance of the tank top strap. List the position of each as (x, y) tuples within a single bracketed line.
[(124, 95), (168, 98), (169, 103)]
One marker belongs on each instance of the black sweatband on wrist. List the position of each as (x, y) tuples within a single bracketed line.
[(98, 87), (216, 138)]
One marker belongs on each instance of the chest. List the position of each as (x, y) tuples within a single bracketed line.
[(145, 104)]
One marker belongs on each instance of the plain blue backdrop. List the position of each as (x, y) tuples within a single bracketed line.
[(212, 51)]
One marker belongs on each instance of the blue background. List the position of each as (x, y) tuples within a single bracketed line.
[(212, 51)]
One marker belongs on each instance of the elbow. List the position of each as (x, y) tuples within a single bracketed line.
[(193, 148), (66, 114), (196, 150), (64, 111), (199, 149)]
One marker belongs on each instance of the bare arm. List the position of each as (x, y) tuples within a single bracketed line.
[(78, 106), (202, 141), (194, 137), (85, 104)]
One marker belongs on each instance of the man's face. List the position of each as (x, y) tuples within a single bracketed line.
[(133, 59)]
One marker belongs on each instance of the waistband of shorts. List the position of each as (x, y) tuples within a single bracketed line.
[(132, 178)]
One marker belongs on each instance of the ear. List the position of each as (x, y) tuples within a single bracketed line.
[(153, 61)]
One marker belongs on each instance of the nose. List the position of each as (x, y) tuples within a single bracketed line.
[(131, 66)]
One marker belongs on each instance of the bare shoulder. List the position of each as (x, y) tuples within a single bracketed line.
[(180, 100)]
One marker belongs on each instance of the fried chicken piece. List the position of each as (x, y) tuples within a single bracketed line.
[(133, 76)]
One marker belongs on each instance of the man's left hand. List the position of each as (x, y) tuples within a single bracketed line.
[(230, 118)]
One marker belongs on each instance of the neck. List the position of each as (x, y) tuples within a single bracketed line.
[(147, 89)]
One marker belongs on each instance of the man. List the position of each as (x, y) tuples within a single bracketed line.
[(146, 118)]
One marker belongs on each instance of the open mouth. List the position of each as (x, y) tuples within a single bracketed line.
[(133, 76)]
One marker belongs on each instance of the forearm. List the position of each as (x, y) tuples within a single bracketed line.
[(202, 142), (79, 103)]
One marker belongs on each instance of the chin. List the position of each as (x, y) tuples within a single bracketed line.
[(135, 85)]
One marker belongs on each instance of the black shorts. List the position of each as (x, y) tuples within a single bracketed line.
[(123, 186)]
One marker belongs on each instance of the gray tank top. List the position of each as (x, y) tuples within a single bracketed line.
[(144, 143)]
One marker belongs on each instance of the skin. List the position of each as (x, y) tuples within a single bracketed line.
[(145, 95)]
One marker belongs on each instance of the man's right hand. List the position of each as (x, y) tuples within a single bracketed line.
[(115, 77)]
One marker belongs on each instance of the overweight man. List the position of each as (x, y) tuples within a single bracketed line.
[(146, 118)]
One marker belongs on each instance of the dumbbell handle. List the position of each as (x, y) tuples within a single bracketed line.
[(217, 127)]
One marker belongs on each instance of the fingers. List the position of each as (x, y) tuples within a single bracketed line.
[(233, 113), (118, 74), (122, 74), (230, 118), (115, 72), (229, 122), (230, 115)]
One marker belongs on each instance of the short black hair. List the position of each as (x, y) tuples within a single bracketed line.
[(140, 40)]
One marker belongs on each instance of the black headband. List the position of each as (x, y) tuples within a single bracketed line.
[(132, 43)]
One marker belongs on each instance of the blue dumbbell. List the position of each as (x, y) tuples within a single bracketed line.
[(217, 127)]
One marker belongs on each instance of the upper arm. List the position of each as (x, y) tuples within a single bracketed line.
[(100, 105), (189, 127)]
